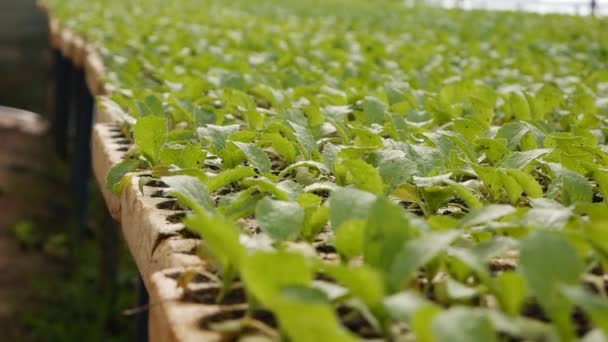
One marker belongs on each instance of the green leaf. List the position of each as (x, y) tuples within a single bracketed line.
[(315, 222), (416, 253), (306, 141), (322, 169), (548, 261), (470, 129), (395, 168), (229, 176), (516, 106), (452, 290), (512, 292), (522, 134), (190, 192), (281, 220), (545, 101), (403, 306), (150, 106), (491, 179), (374, 110), (150, 134), (282, 146), (118, 171), (241, 204), (529, 185), (547, 214), (221, 243), (256, 156), (511, 187), (349, 239), (362, 282), (347, 204), (264, 184), (264, 275), (574, 187), (596, 306), (422, 323), (460, 324), (304, 321), (386, 231), (487, 214), (601, 178), (185, 157), (520, 160), (495, 149), (217, 135), (364, 176)]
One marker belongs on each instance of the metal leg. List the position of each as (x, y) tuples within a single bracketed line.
[(142, 319), (61, 116), (81, 163)]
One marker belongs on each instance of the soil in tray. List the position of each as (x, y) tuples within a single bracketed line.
[(169, 205), (209, 295), (356, 323), (156, 184), (211, 322), (581, 321)]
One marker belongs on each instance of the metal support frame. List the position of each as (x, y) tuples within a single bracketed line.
[(142, 320), (81, 160), (60, 118), (75, 105)]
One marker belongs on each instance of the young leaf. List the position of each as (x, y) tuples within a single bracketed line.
[(315, 222), (386, 231), (117, 173), (264, 275), (349, 204), (487, 214), (365, 176), (190, 193), (595, 305), (349, 239), (529, 185), (304, 320), (150, 134), (548, 261), (229, 176), (305, 139), (256, 156), (221, 241), (185, 157), (512, 292), (374, 110), (414, 254), (281, 220), (395, 168), (217, 135), (460, 324), (519, 160), (422, 323), (282, 146), (362, 282)]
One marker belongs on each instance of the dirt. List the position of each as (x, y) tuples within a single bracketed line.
[(209, 295), (24, 193)]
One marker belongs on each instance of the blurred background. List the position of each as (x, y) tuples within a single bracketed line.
[(574, 7), (24, 58), (49, 291)]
